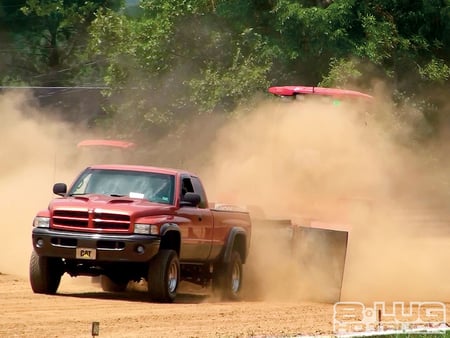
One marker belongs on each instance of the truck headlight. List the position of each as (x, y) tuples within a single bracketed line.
[(41, 222), (146, 229)]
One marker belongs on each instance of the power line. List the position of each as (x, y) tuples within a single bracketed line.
[(46, 92), (58, 87)]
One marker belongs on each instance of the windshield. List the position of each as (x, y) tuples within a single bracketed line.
[(153, 187)]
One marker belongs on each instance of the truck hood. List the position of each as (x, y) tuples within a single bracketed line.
[(123, 205)]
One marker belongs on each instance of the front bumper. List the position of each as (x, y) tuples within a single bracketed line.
[(108, 247)]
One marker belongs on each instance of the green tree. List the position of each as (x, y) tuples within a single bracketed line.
[(168, 61), (176, 59), (47, 40), (180, 57)]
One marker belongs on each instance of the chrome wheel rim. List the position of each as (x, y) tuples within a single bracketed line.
[(235, 278), (172, 280)]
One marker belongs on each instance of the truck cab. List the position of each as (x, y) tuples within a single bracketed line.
[(128, 223)]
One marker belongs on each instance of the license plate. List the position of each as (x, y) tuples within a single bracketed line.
[(86, 253)]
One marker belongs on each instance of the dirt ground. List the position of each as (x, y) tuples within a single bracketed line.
[(78, 303)]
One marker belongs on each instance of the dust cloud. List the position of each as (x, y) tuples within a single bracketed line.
[(340, 166), (35, 153), (344, 167)]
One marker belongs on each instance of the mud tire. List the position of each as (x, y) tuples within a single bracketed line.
[(227, 278), (164, 276), (45, 273)]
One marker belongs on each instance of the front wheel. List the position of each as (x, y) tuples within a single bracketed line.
[(45, 273), (164, 276), (227, 278)]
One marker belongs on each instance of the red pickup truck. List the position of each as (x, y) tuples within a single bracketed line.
[(128, 223)]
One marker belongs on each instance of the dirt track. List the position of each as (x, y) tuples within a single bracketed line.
[(79, 303)]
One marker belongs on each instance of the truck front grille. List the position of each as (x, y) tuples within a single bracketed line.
[(95, 220)]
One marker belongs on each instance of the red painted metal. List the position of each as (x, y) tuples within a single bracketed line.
[(305, 90), (106, 143)]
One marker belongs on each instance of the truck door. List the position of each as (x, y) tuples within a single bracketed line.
[(196, 234)]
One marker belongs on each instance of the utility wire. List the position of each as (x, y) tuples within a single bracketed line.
[(58, 87)]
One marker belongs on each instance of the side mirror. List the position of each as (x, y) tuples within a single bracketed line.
[(60, 189), (190, 199)]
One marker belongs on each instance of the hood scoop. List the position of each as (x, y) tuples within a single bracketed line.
[(120, 201), (105, 198), (82, 198)]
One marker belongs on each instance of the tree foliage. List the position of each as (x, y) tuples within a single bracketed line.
[(47, 40), (169, 60)]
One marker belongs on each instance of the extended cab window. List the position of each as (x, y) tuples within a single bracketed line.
[(154, 187)]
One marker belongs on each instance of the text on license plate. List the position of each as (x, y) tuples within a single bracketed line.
[(86, 253)]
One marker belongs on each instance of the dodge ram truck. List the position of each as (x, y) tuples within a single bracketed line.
[(132, 223)]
